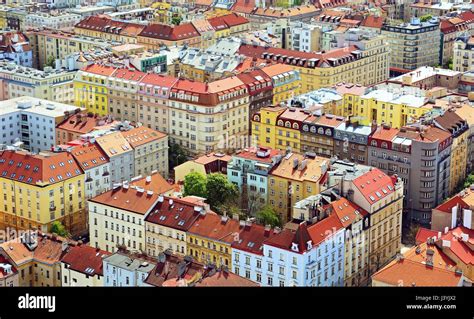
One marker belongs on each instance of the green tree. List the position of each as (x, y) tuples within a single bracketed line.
[(195, 185), (220, 191), (59, 229), (425, 18), (450, 63), (267, 216), (176, 20), (469, 180), (51, 61), (177, 155)]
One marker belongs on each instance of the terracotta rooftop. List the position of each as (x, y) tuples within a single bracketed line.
[(212, 157), (347, 211), (170, 33), (82, 123), (219, 228), (139, 136), (384, 133), (312, 171), (252, 237), (375, 185), (324, 229), (85, 259), (89, 156), (49, 168), (261, 154), (130, 199), (154, 182), (113, 144)]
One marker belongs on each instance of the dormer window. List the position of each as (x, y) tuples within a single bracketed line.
[(309, 245), (294, 247)]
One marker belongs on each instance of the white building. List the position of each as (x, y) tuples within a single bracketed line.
[(123, 270), (96, 165), (45, 20), (32, 121)]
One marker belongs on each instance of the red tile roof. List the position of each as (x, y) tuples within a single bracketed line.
[(154, 182), (261, 154), (372, 21), (216, 227), (85, 259), (374, 185), (285, 238), (409, 273), (458, 247), (159, 80), (324, 229), (127, 74), (81, 123), (298, 58), (174, 213), (105, 24), (170, 33), (129, 199), (384, 133), (423, 234), (3, 273), (89, 156), (447, 206), (100, 69), (31, 169), (225, 279), (251, 238), (346, 211)]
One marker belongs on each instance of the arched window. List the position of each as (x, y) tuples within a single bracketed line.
[(296, 126), (320, 130), (328, 132), (287, 124), (257, 118), (384, 145), (373, 143), (305, 128), (313, 129), (280, 122)]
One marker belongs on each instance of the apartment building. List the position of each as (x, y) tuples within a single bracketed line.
[(206, 117), (153, 36), (420, 157), (167, 224), (414, 44), (366, 65), (463, 59), (120, 154), (451, 122), (286, 82), (58, 44), (295, 178), (63, 20), (210, 237), (249, 170), (206, 164), (82, 266), (41, 189), (117, 218), (104, 27), (451, 30), (37, 258), (80, 123), (150, 150), (350, 141), (15, 47), (52, 85), (123, 269), (96, 166), (381, 196), (31, 121), (305, 37), (317, 135)]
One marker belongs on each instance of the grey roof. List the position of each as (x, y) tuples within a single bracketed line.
[(130, 263)]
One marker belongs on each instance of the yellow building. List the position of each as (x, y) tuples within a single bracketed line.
[(38, 190), (295, 178), (91, 88), (37, 258), (318, 70), (286, 82), (206, 164), (167, 224), (459, 129), (210, 239), (264, 126)]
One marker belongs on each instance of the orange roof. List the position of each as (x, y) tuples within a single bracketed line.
[(49, 250), (223, 229), (226, 279), (159, 80), (347, 211), (141, 135), (421, 252), (423, 234), (211, 157), (276, 69), (89, 156), (100, 69), (349, 88), (458, 247), (411, 273), (113, 144), (129, 199), (324, 229), (31, 169), (154, 182), (294, 114), (263, 155), (385, 133), (312, 172), (230, 83)]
